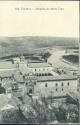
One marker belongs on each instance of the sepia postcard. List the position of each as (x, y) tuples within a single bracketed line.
[(39, 62)]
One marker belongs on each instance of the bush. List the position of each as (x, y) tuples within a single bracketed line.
[(12, 116)]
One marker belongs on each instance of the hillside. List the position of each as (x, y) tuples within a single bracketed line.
[(25, 44)]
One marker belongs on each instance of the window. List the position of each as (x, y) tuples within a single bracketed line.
[(62, 89), (78, 89), (62, 84), (56, 89), (35, 83), (56, 84), (26, 83), (23, 77), (46, 85), (68, 83), (39, 74), (35, 69), (30, 91)]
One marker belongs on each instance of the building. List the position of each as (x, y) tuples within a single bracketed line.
[(40, 68), (17, 89), (3, 100), (37, 78), (72, 51), (6, 65), (38, 81), (2, 90), (52, 86), (30, 82), (16, 60), (7, 71)]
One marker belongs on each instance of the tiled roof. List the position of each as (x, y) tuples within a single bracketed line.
[(6, 73), (56, 78), (38, 65), (3, 100)]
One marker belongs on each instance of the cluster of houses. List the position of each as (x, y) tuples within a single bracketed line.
[(22, 77)]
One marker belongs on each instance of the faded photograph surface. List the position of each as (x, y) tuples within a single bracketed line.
[(39, 62)]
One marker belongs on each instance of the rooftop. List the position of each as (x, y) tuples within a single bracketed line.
[(3, 100), (6, 73), (7, 65), (38, 65), (56, 78), (19, 78)]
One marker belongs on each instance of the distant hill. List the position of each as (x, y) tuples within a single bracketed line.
[(25, 44)]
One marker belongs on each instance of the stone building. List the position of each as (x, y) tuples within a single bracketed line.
[(40, 68), (30, 82), (47, 86)]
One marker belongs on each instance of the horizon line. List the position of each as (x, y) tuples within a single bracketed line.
[(42, 36)]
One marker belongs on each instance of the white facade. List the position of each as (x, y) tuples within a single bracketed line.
[(40, 69), (55, 87), (35, 68)]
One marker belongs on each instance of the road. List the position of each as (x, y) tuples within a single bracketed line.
[(57, 62)]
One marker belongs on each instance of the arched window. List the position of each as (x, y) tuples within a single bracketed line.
[(68, 83), (62, 89), (30, 91), (56, 89), (46, 85)]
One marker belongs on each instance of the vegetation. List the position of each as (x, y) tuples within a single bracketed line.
[(40, 111), (46, 55), (12, 116), (19, 45), (72, 58), (2, 89), (69, 113)]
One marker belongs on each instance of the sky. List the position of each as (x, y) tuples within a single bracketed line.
[(24, 18)]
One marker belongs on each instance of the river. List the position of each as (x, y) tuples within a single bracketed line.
[(58, 62)]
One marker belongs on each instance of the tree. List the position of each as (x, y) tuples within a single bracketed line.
[(13, 116), (38, 112), (46, 55), (67, 113), (73, 113)]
